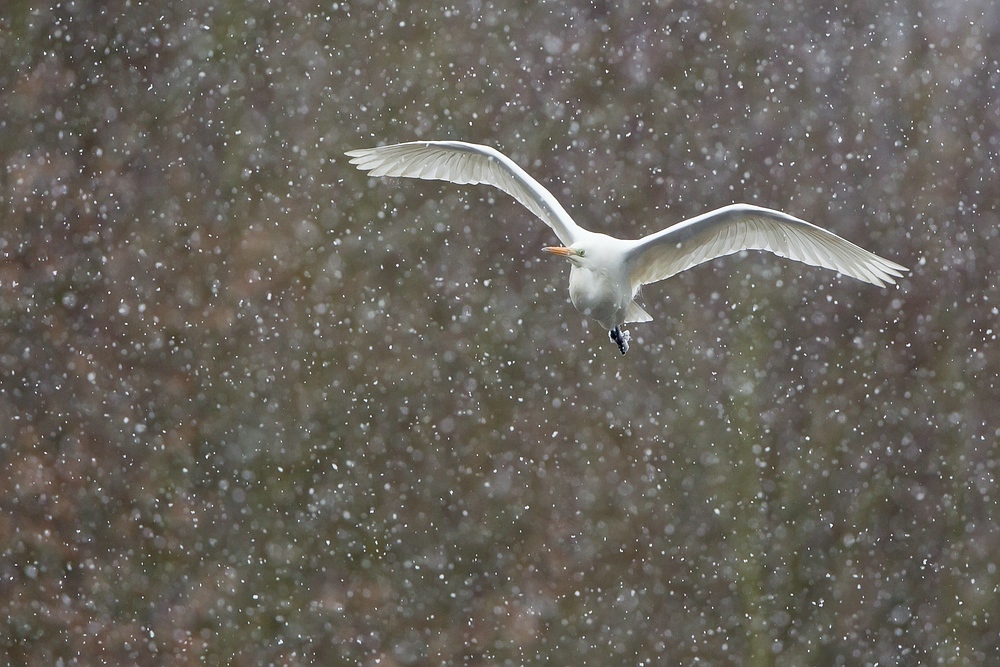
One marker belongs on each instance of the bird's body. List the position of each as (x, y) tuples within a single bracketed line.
[(607, 272), (602, 288)]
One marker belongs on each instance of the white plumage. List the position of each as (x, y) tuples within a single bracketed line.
[(607, 272)]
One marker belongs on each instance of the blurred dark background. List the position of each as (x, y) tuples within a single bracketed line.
[(260, 409)]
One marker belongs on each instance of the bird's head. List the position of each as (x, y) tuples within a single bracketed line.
[(574, 253)]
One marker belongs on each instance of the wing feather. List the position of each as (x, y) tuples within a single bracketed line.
[(465, 163), (744, 227)]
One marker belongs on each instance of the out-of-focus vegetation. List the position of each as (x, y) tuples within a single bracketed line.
[(260, 409)]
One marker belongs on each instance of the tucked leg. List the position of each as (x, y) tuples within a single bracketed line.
[(621, 338)]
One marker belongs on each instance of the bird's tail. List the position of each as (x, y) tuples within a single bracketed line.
[(635, 313)]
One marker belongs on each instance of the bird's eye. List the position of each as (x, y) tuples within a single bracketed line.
[(581, 253)]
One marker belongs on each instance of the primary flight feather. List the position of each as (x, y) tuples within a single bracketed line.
[(607, 272)]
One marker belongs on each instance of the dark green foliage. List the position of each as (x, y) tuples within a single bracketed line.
[(258, 408)]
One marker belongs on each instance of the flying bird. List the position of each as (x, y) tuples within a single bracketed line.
[(607, 272)]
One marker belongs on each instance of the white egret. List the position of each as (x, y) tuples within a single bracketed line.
[(607, 272)]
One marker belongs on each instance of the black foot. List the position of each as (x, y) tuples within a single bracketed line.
[(621, 338)]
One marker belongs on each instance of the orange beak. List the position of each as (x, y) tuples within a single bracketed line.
[(558, 250)]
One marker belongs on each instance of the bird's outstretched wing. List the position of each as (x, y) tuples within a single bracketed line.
[(744, 227), (464, 163)]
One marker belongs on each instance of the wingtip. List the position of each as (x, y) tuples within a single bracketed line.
[(891, 271), (888, 273)]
